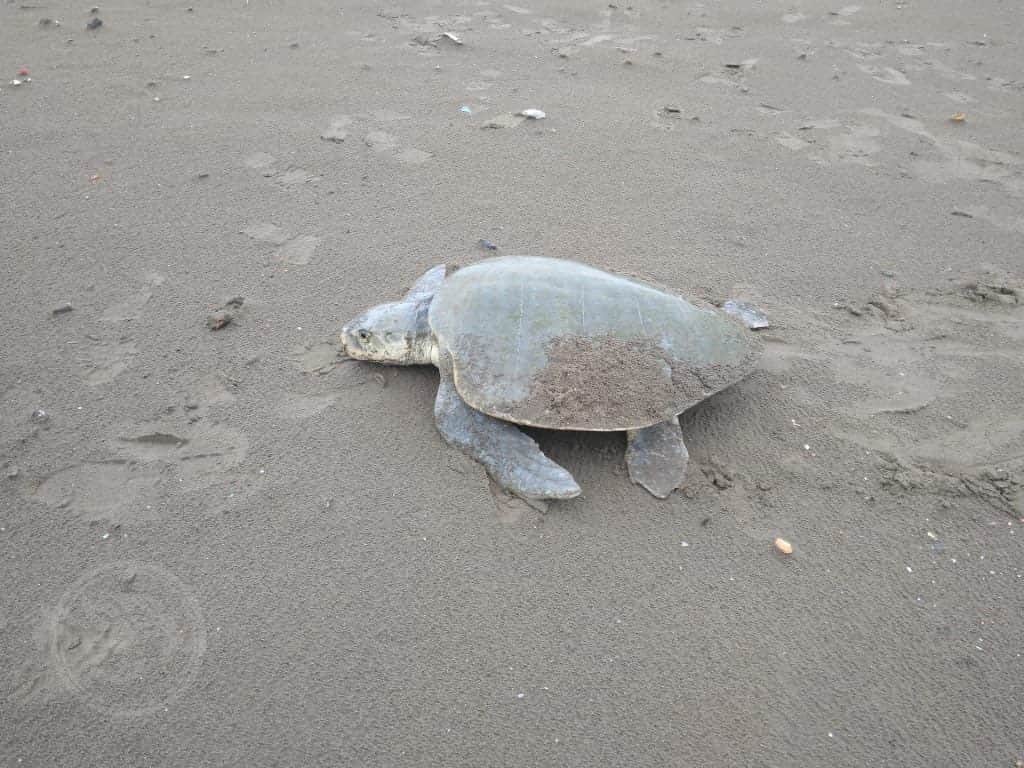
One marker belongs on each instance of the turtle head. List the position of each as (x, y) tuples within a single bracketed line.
[(396, 333), (399, 332)]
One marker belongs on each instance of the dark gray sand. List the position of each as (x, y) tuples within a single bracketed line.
[(227, 548)]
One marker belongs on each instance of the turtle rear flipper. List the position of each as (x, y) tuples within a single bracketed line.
[(511, 457), (657, 457)]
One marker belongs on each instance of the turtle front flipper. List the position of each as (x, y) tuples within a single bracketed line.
[(512, 458), (657, 457)]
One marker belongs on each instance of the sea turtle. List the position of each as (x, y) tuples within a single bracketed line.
[(557, 344)]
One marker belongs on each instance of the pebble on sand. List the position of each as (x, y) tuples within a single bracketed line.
[(61, 309), (782, 546)]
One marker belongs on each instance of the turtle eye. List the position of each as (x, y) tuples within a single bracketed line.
[(363, 335)]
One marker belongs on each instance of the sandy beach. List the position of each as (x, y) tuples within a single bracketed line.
[(233, 547)]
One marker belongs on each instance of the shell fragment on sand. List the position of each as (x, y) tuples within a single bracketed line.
[(782, 546)]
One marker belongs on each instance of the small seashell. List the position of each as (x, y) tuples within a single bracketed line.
[(783, 546), (533, 114)]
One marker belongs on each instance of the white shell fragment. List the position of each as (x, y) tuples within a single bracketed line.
[(783, 546), (452, 37), (533, 114)]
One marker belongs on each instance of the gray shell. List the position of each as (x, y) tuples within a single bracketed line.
[(557, 344)]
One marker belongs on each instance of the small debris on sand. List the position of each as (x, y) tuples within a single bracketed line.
[(224, 316), (219, 319), (61, 309), (782, 546)]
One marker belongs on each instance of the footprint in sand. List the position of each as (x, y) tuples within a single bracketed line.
[(104, 361), (260, 161), (299, 250), (379, 142), (113, 489), (935, 158), (857, 144), (297, 406), (109, 355), (132, 307), (865, 51), (789, 141), (265, 232), (886, 75), (1010, 221), (199, 451), (319, 357), (209, 392), (961, 159), (295, 176), (290, 249), (148, 459), (268, 168), (841, 17)]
